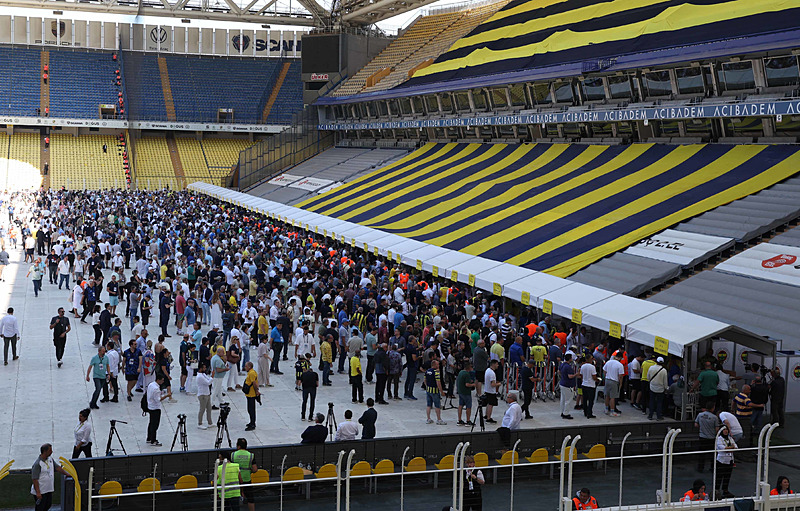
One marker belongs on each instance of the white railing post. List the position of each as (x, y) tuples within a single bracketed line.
[(765, 497), (155, 468), (571, 456), (664, 453), (347, 480), (456, 455), (222, 488), (561, 475), (668, 494), (460, 475), (759, 463), (767, 440), (283, 463), (339, 481), (91, 482), (513, 458), (402, 476), (714, 464), (621, 459), (216, 478)]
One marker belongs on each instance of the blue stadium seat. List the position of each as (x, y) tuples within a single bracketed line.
[(80, 81), (19, 81)]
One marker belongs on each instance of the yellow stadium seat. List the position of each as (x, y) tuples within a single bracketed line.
[(149, 485), (481, 459), (326, 471), (384, 467), (362, 468), (567, 451), (260, 476), (416, 465), (538, 456), (597, 452), (293, 474), (110, 489), (446, 463), (186, 482), (506, 458)]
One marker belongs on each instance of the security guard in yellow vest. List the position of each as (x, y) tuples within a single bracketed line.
[(233, 477), (247, 466)]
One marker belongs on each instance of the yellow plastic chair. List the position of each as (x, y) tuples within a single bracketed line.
[(538, 456), (568, 451), (481, 460), (363, 468), (293, 474), (446, 463), (506, 458), (186, 482), (597, 452), (326, 471), (260, 476), (416, 465), (384, 467), (149, 485), (110, 489)]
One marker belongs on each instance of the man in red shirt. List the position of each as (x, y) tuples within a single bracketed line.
[(180, 310)]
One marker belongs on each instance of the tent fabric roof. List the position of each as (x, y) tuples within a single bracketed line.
[(767, 261), (766, 308), (790, 238), (631, 275), (598, 306), (684, 248), (752, 216)]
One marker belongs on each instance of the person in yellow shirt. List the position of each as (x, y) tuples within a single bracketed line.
[(327, 360), (252, 394), (356, 379), (232, 476)]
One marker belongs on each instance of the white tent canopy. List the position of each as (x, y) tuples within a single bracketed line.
[(766, 261), (646, 323)]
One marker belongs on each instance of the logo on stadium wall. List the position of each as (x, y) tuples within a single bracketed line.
[(57, 27), (778, 261), (243, 41), (796, 372), (722, 356), (743, 356), (158, 35)]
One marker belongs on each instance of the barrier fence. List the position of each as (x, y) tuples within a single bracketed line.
[(512, 466)]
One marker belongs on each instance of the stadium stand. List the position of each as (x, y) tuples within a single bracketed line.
[(421, 33), (80, 81), (573, 204), (192, 159), (24, 147), (80, 163), (143, 83), (465, 23), (210, 159), (153, 165), (19, 80)]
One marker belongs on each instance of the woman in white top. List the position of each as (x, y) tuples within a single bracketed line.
[(83, 435), (725, 464), (77, 298), (473, 500), (98, 332)]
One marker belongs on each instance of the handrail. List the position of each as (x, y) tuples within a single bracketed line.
[(456, 455), (461, 477), (621, 461), (767, 441), (561, 472), (571, 456), (513, 462)]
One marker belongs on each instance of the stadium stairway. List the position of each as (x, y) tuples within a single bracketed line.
[(165, 86), (44, 160), (275, 90), (44, 89), (175, 157)]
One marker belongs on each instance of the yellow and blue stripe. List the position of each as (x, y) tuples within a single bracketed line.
[(551, 207)]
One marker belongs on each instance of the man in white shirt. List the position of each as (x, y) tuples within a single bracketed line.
[(9, 329), (614, 372), (347, 430), (63, 272), (588, 386), (657, 376), (43, 477), (113, 369), (734, 427), (635, 379), (204, 381), (490, 385), (304, 343), (154, 398), (511, 419)]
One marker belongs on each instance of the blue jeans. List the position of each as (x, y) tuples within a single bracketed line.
[(411, 378), (276, 356), (755, 420), (37, 286), (326, 373), (99, 384), (342, 357), (63, 278), (656, 404), (245, 354), (206, 313)]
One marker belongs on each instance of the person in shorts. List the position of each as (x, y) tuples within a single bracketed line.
[(465, 383), (433, 391), (490, 386)]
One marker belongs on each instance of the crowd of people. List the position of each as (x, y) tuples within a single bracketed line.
[(243, 294)]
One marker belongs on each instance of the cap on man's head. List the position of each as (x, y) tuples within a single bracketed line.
[(660, 360)]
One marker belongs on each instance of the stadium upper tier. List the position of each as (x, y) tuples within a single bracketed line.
[(551, 207), (180, 88)]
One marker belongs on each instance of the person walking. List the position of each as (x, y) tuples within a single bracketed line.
[(309, 382), (60, 327), (4, 260), (247, 466), (528, 379), (83, 435), (43, 478), (113, 369), (9, 329), (252, 394), (132, 366), (368, 420), (154, 398), (35, 273), (99, 371), (204, 382), (63, 273)]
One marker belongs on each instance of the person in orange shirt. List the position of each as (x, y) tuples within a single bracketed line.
[(697, 493), (782, 487)]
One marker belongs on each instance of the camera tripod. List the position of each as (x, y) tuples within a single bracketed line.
[(182, 430), (222, 427), (111, 433), (330, 421), (478, 416)]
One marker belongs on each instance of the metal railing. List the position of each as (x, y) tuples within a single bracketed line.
[(565, 465)]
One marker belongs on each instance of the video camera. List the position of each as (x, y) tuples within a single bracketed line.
[(224, 411)]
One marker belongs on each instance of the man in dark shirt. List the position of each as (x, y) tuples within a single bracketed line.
[(367, 420), (164, 305), (759, 394), (317, 433), (310, 381), (381, 373), (52, 265), (777, 392), (528, 379)]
